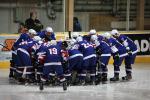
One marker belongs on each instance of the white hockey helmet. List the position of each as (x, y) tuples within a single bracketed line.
[(49, 29), (53, 42), (32, 32), (114, 32), (75, 34), (37, 38), (107, 35), (78, 39), (72, 41), (94, 38), (92, 32)]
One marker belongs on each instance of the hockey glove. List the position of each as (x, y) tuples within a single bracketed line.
[(129, 51), (98, 51), (116, 56)]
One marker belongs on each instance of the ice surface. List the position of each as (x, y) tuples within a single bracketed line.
[(137, 89)]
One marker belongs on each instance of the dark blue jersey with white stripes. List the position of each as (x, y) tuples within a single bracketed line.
[(130, 43), (41, 50), (53, 54), (86, 48), (74, 52), (28, 45), (113, 43), (23, 37), (104, 47)]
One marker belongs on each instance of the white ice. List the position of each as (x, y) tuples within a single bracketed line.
[(136, 89)]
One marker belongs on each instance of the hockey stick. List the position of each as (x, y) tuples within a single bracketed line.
[(69, 34), (5, 46)]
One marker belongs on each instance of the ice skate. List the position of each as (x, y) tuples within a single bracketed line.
[(127, 77)]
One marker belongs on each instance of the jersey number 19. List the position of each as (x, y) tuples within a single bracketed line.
[(53, 51)]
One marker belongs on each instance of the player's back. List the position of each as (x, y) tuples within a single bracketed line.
[(86, 48), (53, 54), (42, 48), (27, 45), (86, 37), (73, 50), (100, 37), (131, 44), (22, 37), (114, 42), (105, 48)]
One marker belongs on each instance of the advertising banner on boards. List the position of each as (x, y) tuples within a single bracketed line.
[(142, 41), (6, 43)]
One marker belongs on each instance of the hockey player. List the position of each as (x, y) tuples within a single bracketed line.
[(65, 64), (47, 34), (104, 52), (118, 53), (52, 63), (24, 53), (14, 61), (92, 32), (75, 59), (39, 61), (89, 59), (131, 49)]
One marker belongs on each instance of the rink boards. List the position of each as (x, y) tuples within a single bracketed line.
[(141, 38)]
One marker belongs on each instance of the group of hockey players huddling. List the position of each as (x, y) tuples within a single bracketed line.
[(80, 60)]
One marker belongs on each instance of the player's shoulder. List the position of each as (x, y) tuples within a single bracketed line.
[(24, 34), (112, 39), (122, 36), (41, 32)]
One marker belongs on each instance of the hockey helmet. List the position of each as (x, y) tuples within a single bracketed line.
[(107, 35), (75, 34), (49, 29), (92, 32), (78, 39), (94, 37), (32, 32), (114, 32), (53, 42), (37, 38)]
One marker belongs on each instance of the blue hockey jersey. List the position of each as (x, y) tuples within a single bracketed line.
[(127, 42), (117, 47), (86, 49), (28, 45), (104, 47), (74, 52), (53, 54), (23, 37)]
